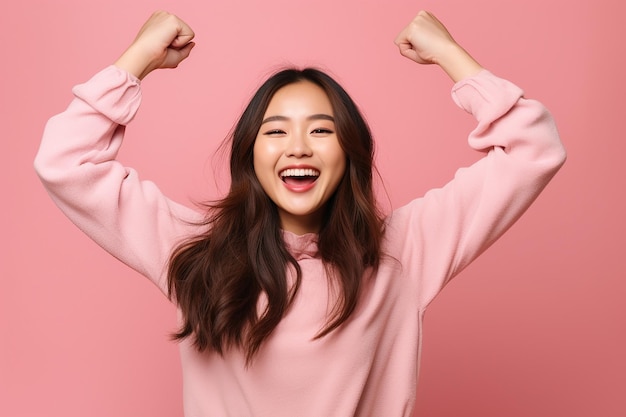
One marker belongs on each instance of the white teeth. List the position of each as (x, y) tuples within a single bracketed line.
[(293, 172)]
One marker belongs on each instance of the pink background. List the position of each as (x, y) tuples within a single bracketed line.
[(535, 327)]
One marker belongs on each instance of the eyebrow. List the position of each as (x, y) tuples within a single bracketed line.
[(320, 116)]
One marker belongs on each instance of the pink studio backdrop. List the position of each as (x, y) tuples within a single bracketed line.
[(535, 327)]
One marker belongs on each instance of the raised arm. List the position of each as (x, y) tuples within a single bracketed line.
[(440, 234), (77, 162)]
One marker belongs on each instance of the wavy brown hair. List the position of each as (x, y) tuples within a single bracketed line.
[(216, 277)]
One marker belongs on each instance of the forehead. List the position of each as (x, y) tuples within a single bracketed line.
[(301, 98)]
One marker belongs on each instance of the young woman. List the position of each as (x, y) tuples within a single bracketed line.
[(296, 297)]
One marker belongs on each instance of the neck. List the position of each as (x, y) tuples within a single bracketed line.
[(301, 225)]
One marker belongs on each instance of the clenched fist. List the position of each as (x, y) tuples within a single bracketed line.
[(164, 41), (427, 41)]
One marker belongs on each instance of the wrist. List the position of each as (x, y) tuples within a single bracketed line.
[(134, 63), (458, 63)]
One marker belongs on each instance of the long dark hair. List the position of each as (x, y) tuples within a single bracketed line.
[(216, 277)]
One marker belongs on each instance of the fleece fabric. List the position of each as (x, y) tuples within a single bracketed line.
[(368, 366)]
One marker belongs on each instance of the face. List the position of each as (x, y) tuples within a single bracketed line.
[(297, 156)]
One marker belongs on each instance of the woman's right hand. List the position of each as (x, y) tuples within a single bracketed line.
[(164, 41)]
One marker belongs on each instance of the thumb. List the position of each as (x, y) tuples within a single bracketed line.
[(176, 56), (405, 46), (407, 51), (181, 40)]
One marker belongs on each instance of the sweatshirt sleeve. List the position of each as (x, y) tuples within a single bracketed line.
[(129, 218), (438, 235)]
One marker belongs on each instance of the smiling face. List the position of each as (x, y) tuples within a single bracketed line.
[(297, 156)]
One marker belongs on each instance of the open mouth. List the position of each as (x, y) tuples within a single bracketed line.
[(299, 176)]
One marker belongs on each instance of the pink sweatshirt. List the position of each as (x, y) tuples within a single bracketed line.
[(367, 367)]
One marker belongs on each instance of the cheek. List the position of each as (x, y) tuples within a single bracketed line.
[(265, 152), (339, 159), (339, 167), (263, 162)]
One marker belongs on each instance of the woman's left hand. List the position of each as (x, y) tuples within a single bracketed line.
[(427, 41)]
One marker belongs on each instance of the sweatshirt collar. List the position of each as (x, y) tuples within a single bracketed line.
[(301, 246)]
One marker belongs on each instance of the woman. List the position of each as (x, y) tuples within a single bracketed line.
[(296, 297)]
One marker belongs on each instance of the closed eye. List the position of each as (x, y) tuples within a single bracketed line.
[(274, 132), (322, 131)]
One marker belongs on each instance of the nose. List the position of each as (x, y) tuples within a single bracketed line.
[(298, 145)]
